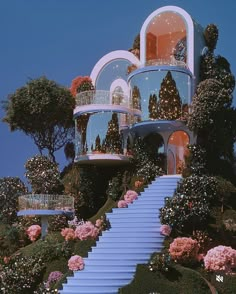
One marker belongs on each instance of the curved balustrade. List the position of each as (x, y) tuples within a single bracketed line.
[(46, 202), (101, 97), (171, 62)]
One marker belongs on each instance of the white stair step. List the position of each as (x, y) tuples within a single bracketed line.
[(121, 250), (115, 262), (153, 245), (99, 282), (101, 275), (78, 289)]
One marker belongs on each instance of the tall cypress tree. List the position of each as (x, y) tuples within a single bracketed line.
[(169, 105), (113, 142), (136, 98), (153, 107)]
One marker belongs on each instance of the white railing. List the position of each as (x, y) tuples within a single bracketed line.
[(46, 201), (101, 97), (170, 61)]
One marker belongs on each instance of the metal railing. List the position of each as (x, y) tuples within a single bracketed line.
[(46, 202), (166, 61), (101, 97)]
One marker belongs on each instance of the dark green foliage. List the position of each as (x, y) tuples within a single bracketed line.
[(176, 280), (15, 277), (160, 261), (145, 166), (195, 162), (169, 104), (113, 141), (98, 143), (211, 34), (136, 43), (227, 287), (152, 107), (115, 189), (189, 208), (43, 110), (10, 189), (69, 151), (43, 175), (57, 223)]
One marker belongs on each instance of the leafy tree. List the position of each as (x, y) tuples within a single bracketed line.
[(169, 104), (10, 189), (43, 110), (113, 142), (69, 151), (152, 107), (43, 175), (211, 34)]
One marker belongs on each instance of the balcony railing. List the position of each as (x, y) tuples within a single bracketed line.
[(101, 97), (166, 61), (46, 202)]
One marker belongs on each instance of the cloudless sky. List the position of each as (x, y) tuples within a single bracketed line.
[(62, 39)]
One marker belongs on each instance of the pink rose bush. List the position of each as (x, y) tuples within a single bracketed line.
[(220, 258), (165, 230), (68, 234), (129, 197), (122, 204), (86, 231), (184, 250), (33, 232), (76, 263), (53, 278)]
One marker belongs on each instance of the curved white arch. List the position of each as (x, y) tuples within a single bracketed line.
[(190, 33), (117, 54), (119, 83)]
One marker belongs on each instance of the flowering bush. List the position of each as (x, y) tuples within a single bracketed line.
[(53, 278), (138, 184), (68, 234), (184, 250), (220, 258), (75, 222), (33, 232), (122, 204), (130, 196), (86, 231), (76, 263), (165, 230), (81, 84)]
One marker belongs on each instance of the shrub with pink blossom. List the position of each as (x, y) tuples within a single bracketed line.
[(220, 258), (68, 234), (53, 278), (76, 263), (130, 196), (184, 250), (165, 230), (122, 204), (86, 231), (33, 232)]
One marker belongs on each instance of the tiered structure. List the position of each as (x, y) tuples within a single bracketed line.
[(142, 92)]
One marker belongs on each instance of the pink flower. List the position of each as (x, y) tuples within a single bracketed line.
[(184, 250), (76, 263), (122, 204), (68, 234), (53, 277), (220, 258), (86, 231), (33, 232), (99, 223), (165, 230), (130, 196), (138, 184)]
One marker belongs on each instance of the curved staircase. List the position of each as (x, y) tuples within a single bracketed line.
[(134, 235)]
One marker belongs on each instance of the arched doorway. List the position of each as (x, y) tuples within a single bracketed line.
[(176, 151)]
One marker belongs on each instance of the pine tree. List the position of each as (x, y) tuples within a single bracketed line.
[(113, 142), (169, 105), (98, 143), (152, 107), (136, 98)]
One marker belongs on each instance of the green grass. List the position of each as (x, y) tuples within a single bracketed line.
[(109, 204), (178, 280)]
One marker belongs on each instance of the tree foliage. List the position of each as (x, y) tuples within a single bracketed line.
[(211, 34), (169, 104), (43, 110), (43, 175), (10, 189)]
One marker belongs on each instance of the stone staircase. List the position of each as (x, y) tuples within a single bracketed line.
[(134, 235)]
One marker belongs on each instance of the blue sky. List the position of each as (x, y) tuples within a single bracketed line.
[(62, 39)]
